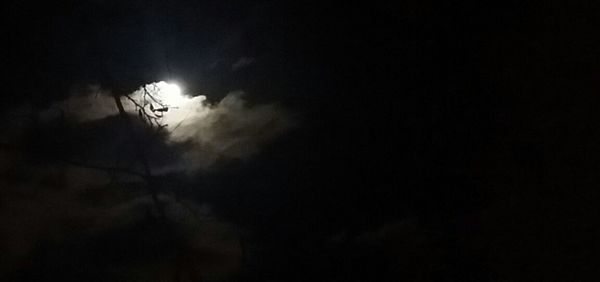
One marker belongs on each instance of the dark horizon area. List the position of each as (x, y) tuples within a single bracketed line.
[(408, 141)]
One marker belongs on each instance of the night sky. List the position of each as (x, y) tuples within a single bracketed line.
[(409, 141)]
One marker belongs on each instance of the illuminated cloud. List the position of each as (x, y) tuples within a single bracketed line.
[(209, 132)]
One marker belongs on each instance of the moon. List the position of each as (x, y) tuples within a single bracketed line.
[(170, 93)]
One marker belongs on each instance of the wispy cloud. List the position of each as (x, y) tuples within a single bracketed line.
[(242, 63)]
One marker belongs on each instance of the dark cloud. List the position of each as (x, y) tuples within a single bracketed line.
[(67, 211)]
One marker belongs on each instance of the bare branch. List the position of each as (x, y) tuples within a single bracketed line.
[(152, 118)]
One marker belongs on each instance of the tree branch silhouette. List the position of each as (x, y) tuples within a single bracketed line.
[(141, 156)]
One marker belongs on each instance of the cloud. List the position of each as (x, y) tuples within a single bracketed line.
[(207, 132), (242, 63), (48, 206), (53, 195), (227, 130), (91, 103)]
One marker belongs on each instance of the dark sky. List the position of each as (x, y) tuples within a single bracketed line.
[(431, 142)]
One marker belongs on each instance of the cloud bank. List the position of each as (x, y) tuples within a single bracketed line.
[(46, 207), (208, 132)]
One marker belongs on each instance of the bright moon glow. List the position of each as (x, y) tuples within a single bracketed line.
[(168, 102), (170, 93)]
